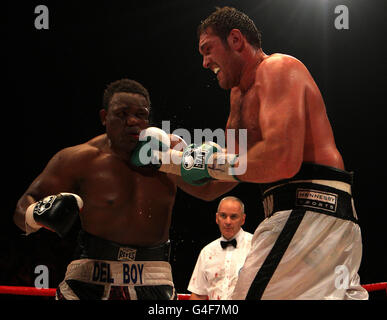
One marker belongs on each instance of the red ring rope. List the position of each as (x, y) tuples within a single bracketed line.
[(31, 291), (27, 291), (375, 286)]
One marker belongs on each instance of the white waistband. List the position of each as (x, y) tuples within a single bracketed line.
[(130, 273)]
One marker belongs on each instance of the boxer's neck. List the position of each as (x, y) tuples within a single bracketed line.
[(248, 72), (124, 155)]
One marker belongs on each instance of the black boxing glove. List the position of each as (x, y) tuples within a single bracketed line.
[(57, 213)]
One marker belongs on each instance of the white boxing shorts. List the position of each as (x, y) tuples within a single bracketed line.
[(88, 279), (311, 251), (105, 270)]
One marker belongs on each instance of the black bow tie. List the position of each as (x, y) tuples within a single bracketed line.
[(232, 242)]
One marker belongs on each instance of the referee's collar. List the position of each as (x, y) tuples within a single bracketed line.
[(237, 236)]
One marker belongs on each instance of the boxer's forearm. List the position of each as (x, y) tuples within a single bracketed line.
[(171, 162), (207, 192), (19, 215)]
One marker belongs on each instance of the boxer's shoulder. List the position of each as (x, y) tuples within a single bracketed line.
[(96, 143), (278, 62), (282, 69), (77, 154), (279, 59)]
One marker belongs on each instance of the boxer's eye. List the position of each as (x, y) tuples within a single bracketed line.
[(121, 114), (142, 115)]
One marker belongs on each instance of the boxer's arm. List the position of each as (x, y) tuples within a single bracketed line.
[(281, 89), (58, 176), (208, 192), (281, 92)]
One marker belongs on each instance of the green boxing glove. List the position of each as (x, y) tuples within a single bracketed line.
[(194, 163)]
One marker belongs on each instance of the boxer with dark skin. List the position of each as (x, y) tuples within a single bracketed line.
[(122, 203), (119, 201)]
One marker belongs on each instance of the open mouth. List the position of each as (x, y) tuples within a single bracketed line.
[(133, 134), (216, 70)]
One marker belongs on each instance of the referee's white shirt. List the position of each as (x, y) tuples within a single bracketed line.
[(217, 269)]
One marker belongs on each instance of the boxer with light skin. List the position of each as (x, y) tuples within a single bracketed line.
[(291, 154), (297, 130)]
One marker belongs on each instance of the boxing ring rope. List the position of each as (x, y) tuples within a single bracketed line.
[(27, 291), (32, 291), (375, 286)]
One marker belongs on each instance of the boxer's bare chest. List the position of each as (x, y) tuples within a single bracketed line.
[(244, 114), (111, 183)]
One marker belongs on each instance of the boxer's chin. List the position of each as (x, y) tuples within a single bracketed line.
[(128, 144), (224, 84)]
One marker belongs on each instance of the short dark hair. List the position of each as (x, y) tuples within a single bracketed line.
[(124, 85), (223, 20)]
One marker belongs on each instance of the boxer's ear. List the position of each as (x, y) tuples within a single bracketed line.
[(102, 116), (235, 40)]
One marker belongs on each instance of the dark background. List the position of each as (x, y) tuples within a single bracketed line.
[(55, 81)]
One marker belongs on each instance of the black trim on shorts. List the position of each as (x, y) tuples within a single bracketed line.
[(286, 198), (90, 246), (265, 273)]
